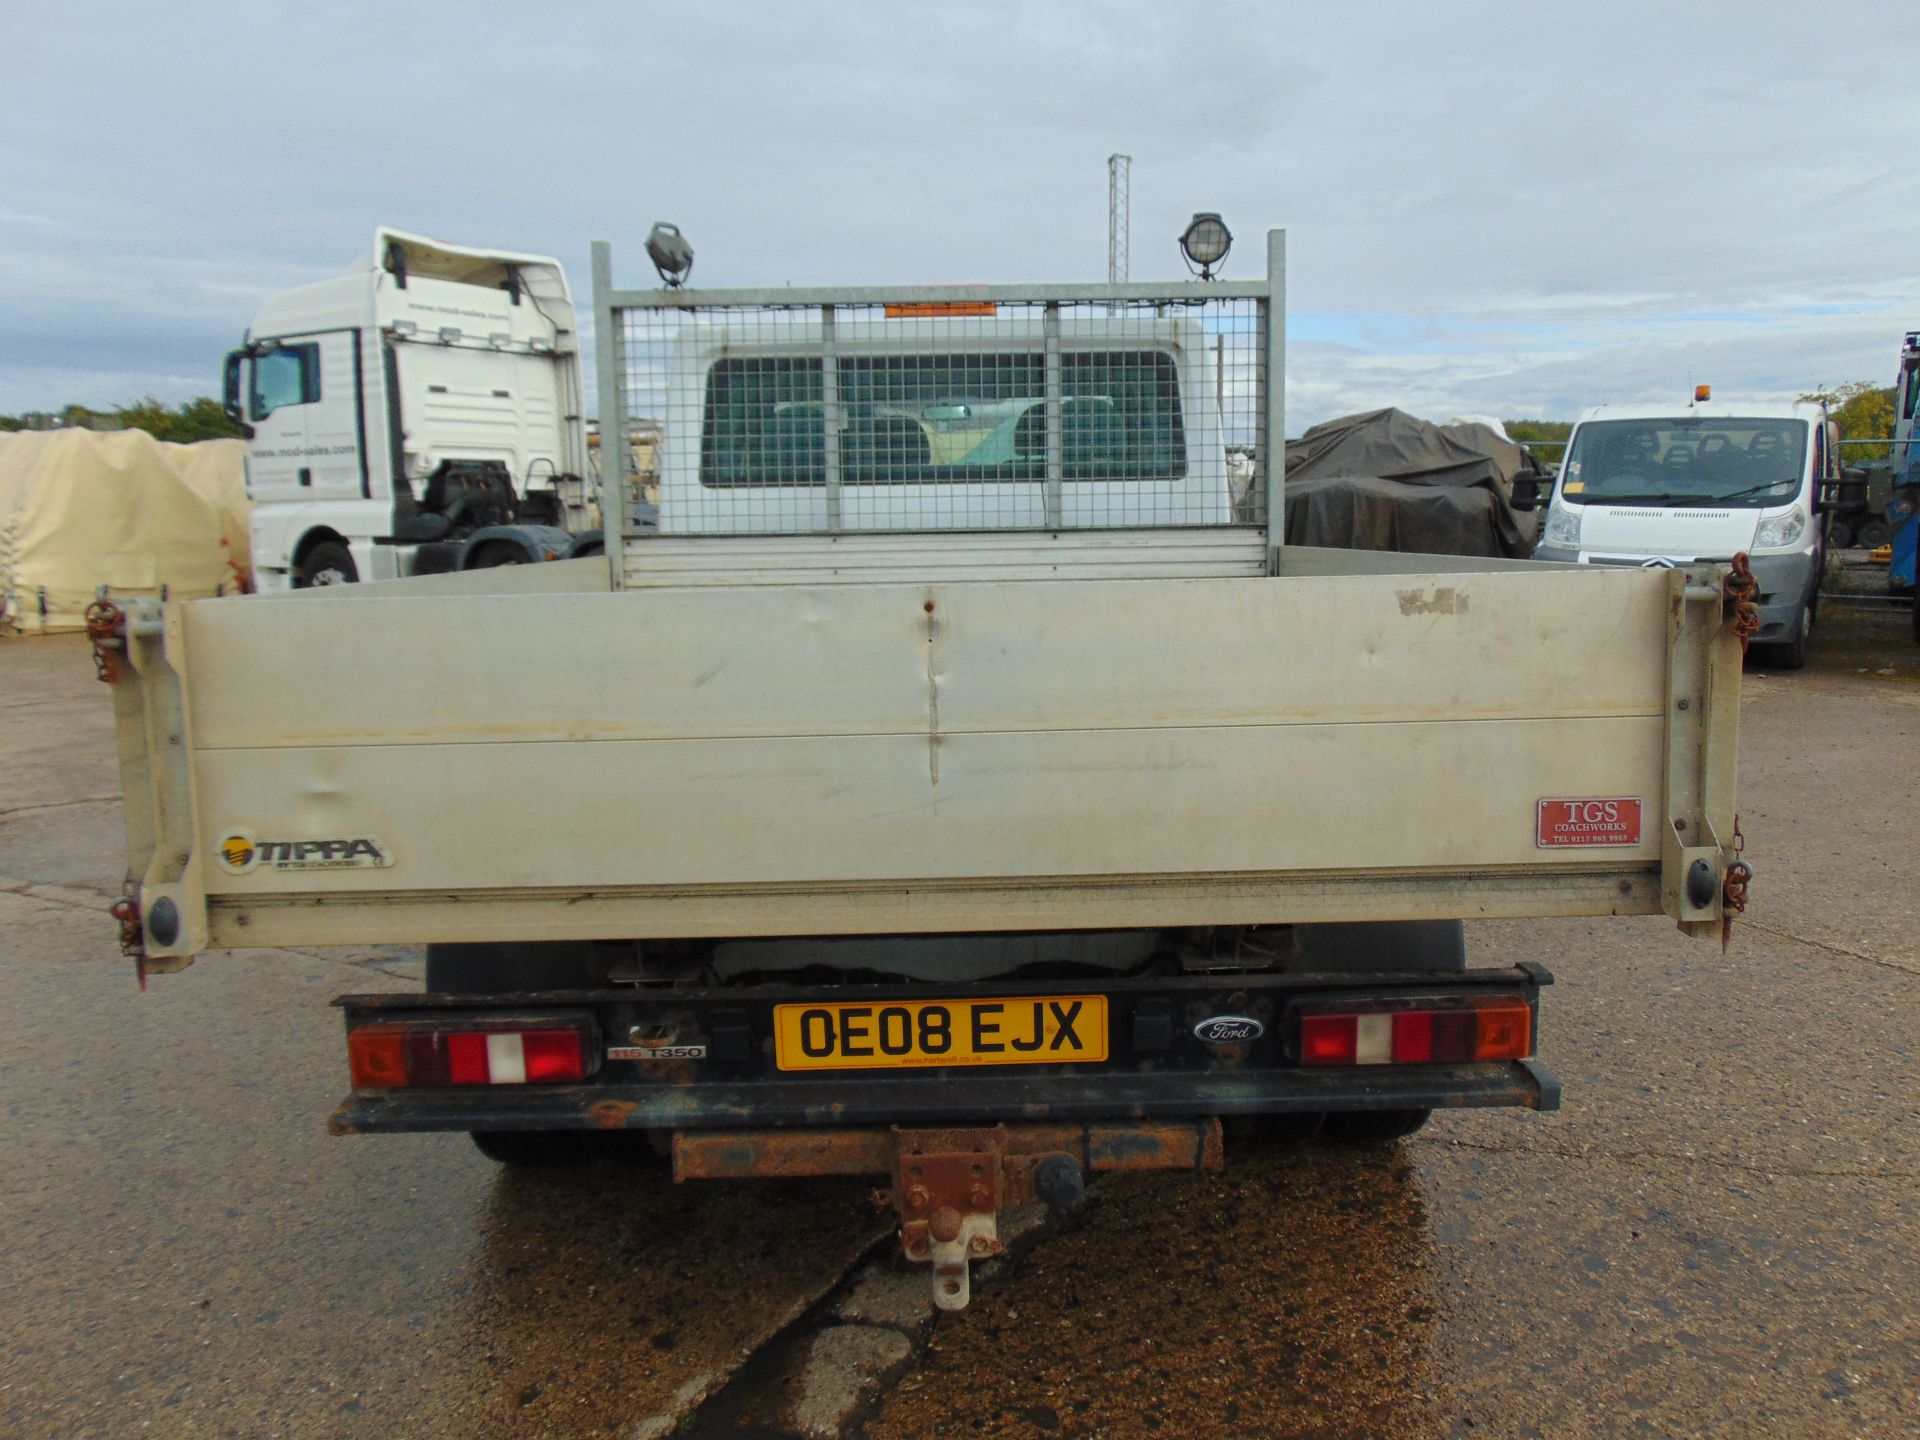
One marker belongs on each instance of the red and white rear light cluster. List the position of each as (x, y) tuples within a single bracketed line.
[(390, 1056), (1490, 1027)]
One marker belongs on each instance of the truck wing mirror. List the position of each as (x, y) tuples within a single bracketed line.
[(230, 393), (1526, 493)]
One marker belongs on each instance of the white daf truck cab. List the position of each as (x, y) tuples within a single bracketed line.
[(1659, 486), (420, 413)]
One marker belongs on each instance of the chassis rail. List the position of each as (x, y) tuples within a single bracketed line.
[(948, 1101)]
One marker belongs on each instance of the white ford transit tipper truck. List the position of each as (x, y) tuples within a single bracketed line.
[(956, 785), (419, 413), (1653, 486)]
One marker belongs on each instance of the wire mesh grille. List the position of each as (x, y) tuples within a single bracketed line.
[(824, 419)]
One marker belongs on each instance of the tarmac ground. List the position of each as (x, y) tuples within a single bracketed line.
[(1719, 1234)]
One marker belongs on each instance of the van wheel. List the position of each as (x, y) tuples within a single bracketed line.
[(328, 563), (1792, 654), (1375, 1125)]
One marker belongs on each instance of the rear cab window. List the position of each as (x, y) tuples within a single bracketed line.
[(944, 418)]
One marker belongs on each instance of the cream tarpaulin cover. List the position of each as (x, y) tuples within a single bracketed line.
[(80, 509), (216, 469)]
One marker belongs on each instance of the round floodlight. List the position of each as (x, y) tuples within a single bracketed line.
[(1206, 242), (672, 256)]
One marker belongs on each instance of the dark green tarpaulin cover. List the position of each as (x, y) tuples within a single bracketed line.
[(1383, 480)]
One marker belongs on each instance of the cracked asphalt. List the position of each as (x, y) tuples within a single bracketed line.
[(1719, 1234)]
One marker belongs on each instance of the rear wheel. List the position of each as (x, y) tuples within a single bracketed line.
[(328, 563), (1872, 533), (532, 1148), (1373, 1126), (495, 969), (1255, 1132)]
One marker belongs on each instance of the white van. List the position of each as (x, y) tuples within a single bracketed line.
[(1653, 486), (420, 412)]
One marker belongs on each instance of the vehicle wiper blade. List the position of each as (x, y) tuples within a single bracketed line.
[(1749, 490)]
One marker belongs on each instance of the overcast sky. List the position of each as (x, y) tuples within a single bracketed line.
[(1511, 208)]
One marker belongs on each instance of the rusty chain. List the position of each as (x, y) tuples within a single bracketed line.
[(104, 628), (1733, 888), (132, 934), (1740, 590)]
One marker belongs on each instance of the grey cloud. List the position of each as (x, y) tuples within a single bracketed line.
[(1479, 171)]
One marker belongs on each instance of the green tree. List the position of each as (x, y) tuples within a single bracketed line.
[(191, 420), (1863, 410), (1528, 431)]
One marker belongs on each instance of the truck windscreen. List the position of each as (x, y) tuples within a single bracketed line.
[(1686, 461)]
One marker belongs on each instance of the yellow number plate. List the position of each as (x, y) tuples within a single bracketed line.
[(1032, 1030)]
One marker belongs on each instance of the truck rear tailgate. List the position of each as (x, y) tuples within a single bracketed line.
[(882, 758)]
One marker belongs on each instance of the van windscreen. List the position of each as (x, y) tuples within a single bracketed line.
[(1686, 461), (944, 418)]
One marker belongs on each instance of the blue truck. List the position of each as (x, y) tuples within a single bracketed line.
[(1903, 501)]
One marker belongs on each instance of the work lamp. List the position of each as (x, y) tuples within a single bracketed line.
[(670, 252), (1206, 242)]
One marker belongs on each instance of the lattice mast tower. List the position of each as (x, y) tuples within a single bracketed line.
[(1119, 206)]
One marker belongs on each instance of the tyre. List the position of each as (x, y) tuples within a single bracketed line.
[(328, 563), (1257, 1132), (1872, 533), (1792, 654), (497, 969), (1412, 947), (532, 1148), (1841, 535), (494, 969), (1372, 1126)]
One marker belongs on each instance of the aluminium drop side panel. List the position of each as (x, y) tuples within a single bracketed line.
[(881, 758)]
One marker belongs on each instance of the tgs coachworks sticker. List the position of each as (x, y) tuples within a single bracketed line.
[(241, 854), (1602, 820)]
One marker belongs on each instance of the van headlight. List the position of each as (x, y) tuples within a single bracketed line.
[(1782, 532), (1562, 527)]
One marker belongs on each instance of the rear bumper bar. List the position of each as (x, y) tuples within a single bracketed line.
[(981, 1099)]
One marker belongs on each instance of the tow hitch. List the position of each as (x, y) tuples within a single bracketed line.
[(949, 1186)]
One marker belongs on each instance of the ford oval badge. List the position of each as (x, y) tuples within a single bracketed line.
[(1229, 1029)]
